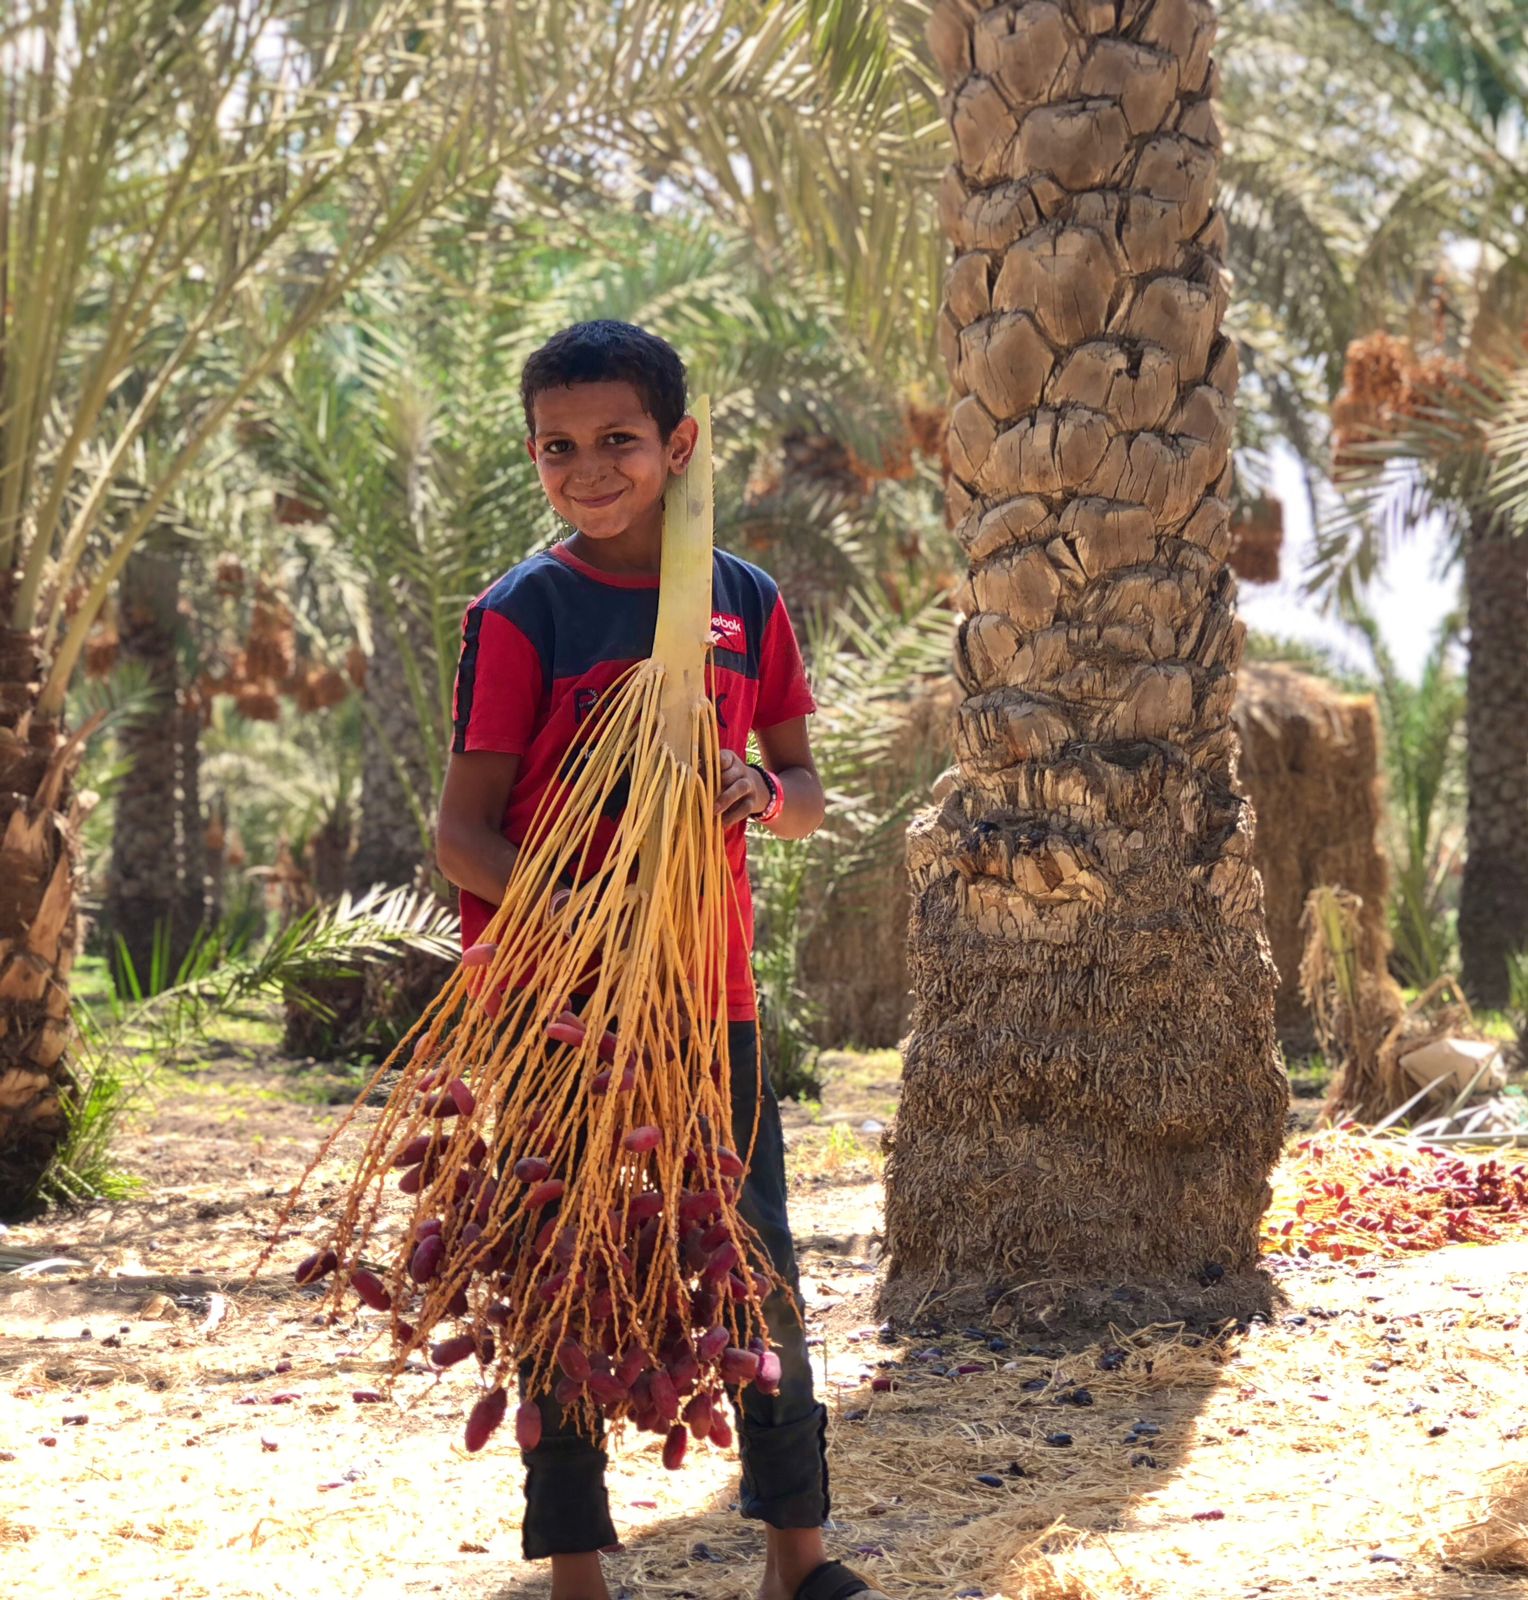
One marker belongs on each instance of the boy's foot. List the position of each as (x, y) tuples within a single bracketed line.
[(578, 1578), (792, 1555), (798, 1568), (834, 1581)]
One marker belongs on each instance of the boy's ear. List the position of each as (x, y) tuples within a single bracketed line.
[(530, 447), (682, 442)]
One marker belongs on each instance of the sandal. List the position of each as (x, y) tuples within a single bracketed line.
[(834, 1581)]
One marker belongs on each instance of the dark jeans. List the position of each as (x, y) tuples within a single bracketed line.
[(782, 1438)]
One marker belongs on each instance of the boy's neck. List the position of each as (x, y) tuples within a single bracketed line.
[(638, 550)]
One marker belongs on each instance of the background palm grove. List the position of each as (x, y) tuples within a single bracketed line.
[(1012, 314)]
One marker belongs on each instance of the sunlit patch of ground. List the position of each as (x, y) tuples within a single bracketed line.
[(165, 1434)]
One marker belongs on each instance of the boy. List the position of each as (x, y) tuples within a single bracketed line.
[(605, 408)]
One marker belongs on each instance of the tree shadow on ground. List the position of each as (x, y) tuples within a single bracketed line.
[(1322, 1451)]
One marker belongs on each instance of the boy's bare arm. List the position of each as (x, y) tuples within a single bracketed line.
[(787, 752), (469, 846)]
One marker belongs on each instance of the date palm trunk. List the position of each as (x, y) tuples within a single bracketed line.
[(38, 919), (1493, 894), (1092, 1090), (156, 892), (394, 772)]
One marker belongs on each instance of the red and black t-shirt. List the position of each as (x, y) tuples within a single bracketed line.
[(542, 645)]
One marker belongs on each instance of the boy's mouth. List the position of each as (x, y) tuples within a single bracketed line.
[(594, 502)]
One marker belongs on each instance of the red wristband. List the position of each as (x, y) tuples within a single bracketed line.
[(776, 802)]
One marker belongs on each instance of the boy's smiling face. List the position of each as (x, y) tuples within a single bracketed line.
[(602, 460)]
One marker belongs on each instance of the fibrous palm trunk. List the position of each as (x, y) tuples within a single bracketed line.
[(38, 923), (1493, 895), (156, 891), (394, 772), (1092, 1088)]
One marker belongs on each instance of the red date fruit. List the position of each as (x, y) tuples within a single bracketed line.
[(425, 1262), (739, 1366), (643, 1208), (640, 1140), (697, 1416), (665, 1396), (545, 1193), (628, 1367), (729, 1164), (449, 1351), (462, 1097), (573, 1361), (720, 1263), (411, 1154), (721, 1432), (768, 1380), (607, 1388), (674, 1447), (369, 1287), (485, 1199), (479, 955), (684, 1370), (567, 1391), (699, 1207), (410, 1181), (549, 1290), (318, 1265), (712, 1342), (717, 1234), (567, 1032), (532, 1169), (484, 1417), (528, 1426)]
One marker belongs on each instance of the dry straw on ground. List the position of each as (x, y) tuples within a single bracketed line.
[(1348, 1443)]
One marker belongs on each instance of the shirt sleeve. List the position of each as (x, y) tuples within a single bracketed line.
[(498, 686), (783, 691)]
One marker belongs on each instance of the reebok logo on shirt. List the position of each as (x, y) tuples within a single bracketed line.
[(728, 632)]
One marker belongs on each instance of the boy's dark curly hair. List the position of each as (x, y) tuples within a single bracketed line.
[(606, 352)]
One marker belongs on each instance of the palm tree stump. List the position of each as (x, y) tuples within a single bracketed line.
[(1092, 1092)]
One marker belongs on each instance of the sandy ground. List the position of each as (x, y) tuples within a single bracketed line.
[(165, 1432)]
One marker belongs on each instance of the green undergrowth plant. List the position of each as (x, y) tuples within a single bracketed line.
[(159, 1018)]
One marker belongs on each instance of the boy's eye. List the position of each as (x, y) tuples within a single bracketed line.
[(619, 438)]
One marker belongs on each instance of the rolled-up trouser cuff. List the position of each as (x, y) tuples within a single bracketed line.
[(785, 1471), (567, 1511)]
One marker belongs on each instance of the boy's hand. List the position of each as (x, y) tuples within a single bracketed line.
[(743, 792)]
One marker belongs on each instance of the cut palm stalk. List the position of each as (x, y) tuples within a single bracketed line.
[(561, 1111)]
